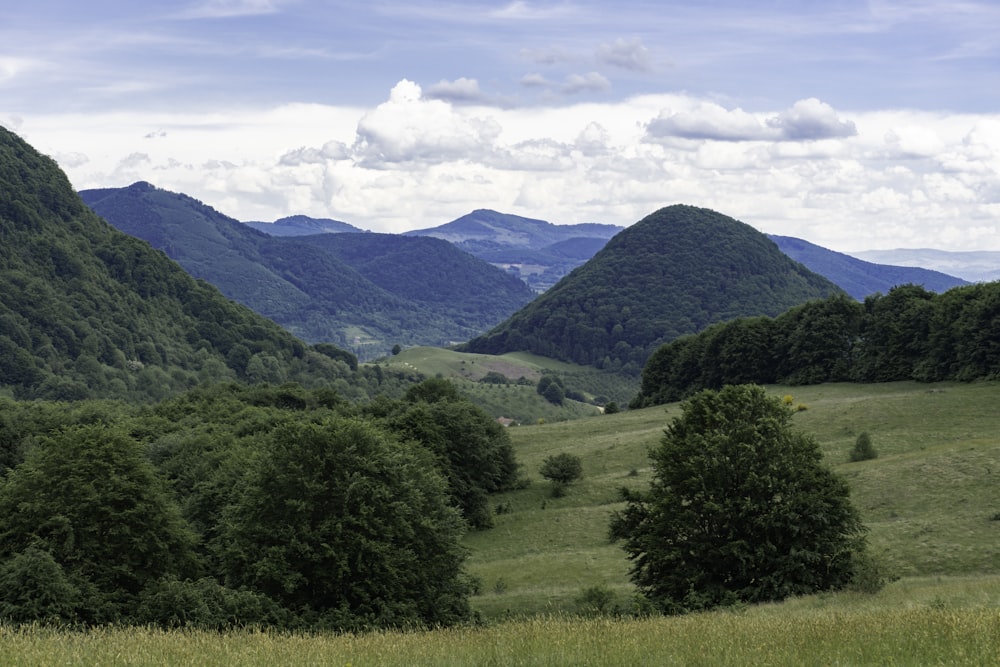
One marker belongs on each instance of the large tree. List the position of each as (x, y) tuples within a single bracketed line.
[(740, 508), (348, 527)]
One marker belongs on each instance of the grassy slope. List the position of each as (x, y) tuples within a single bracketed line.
[(929, 499), (521, 403)]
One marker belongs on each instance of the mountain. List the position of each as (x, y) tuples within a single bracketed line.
[(302, 225), (88, 311), (670, 274), (974, 266), (533, 249), (301, 283), (858, 277)]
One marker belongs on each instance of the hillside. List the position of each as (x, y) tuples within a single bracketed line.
[(88, 311), (672, 273), (303, 225), (302, 284), (858, 277), (433, 274), (538, 251), (974, 265)]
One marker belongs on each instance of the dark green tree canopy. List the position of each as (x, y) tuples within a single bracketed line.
[(740, 509), (341, 522)]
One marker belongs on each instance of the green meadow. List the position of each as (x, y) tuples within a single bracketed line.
[(931, 501)]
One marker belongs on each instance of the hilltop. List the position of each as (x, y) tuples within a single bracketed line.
[(675, 272)]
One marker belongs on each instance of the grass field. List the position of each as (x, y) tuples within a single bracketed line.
[(931, 500)]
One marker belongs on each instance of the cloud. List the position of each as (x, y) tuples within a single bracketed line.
[(811, 119), (881, 179), (806, 120), (460, 90), (535, 80), (628, 54), (583, 83), (411, 129), (331, 150), (518, 10)]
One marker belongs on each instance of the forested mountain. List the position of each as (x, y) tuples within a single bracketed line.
[(87, 311), (672, 273), (303, 225), (432, 273), (304, 285), (907, 334), (538, 251), (858, 277), (972, 265)]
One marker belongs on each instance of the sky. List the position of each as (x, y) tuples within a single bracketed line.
[(853, 124)]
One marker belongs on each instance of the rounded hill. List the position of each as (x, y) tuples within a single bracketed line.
[(672, 273)]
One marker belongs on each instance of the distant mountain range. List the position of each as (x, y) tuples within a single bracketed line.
[(858, 277), (400, 290), (538, 251), (974, 266), (303, 225), (670, 274)]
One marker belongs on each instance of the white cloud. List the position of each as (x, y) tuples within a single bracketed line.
[(901, 178), (411, 129), (628, 54), (806, 120)]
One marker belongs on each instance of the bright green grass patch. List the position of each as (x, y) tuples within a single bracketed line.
[(931, 499), (910, 623)]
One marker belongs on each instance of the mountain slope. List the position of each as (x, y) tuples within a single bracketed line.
[(303, 225), (88, 311), (527, 246), (858, 277), (672, 273), (301, 283), (974, 266), (432, 273)]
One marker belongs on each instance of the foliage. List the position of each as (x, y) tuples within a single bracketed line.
[(562, 468), (907, 334), (673, 273), (89, 312), (863, 449), (341, 522), (551, 388), (740, 509), (473, 451), (87, 497)]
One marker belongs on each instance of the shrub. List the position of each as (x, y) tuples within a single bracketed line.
[(596, 600), (863, 449)]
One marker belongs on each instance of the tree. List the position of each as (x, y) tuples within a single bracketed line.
[(561, 470), (740, 509), (348, 527), (88, 500)]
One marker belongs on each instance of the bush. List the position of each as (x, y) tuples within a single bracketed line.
[(863, 449), (596, 600)]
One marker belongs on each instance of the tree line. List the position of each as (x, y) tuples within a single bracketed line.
[(907, 334), (234, 505)]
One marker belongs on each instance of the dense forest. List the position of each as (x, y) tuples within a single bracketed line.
[(87, 311), (672, 273), (908, 334), (236, 505)]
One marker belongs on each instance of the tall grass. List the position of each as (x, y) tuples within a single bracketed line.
[(831, 630)]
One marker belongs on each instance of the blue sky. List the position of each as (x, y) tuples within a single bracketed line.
[(851, 124)]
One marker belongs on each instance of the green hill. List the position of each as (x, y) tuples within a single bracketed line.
[(672, 273), (88, 311), (365, 292)]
